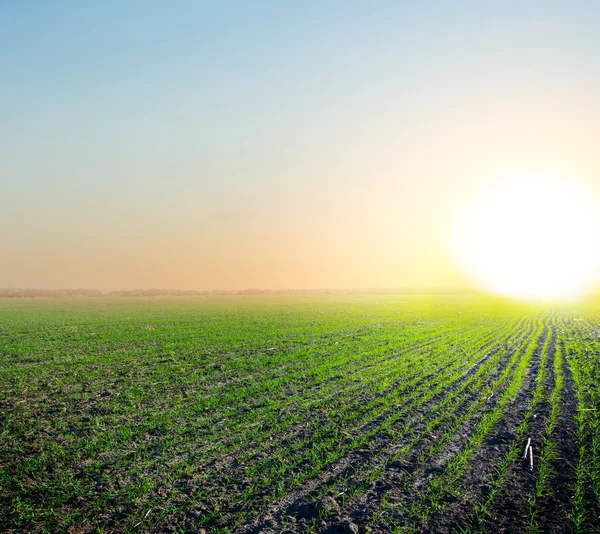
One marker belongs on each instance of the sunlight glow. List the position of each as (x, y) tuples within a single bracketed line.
[(533, 236)]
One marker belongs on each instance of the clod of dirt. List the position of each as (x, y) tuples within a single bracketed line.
[(327, 506), (359, 513), (351, 527), (345, 527)]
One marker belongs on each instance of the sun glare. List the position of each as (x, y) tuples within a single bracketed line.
[(533, 236)]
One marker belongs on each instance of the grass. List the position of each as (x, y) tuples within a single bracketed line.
[(175, 414)]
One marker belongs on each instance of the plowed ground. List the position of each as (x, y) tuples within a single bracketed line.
[(374, 413)]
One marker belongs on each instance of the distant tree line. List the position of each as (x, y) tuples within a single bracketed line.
[(82, 292), (49, 293)]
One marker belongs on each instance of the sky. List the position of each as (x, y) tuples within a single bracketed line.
[(270, 144)]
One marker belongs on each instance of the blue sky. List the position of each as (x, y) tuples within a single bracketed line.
[(158, 129)]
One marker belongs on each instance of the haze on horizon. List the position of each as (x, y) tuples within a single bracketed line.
[(197, 145)]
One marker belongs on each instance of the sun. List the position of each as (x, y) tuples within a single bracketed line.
[(531, 236)]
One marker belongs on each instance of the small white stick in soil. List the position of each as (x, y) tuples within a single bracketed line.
[(531, 458), (526, 448)]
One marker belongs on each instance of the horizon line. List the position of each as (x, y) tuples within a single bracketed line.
[(15, 292)]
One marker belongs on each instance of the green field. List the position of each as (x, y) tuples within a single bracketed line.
[(375, 413)]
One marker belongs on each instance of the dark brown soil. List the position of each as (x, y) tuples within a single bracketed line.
[(388, 444), (400, 481), (398, 478)]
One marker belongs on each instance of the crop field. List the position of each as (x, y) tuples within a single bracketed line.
[(376, 413)]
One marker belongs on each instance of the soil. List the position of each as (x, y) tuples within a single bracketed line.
[(397, 483)]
